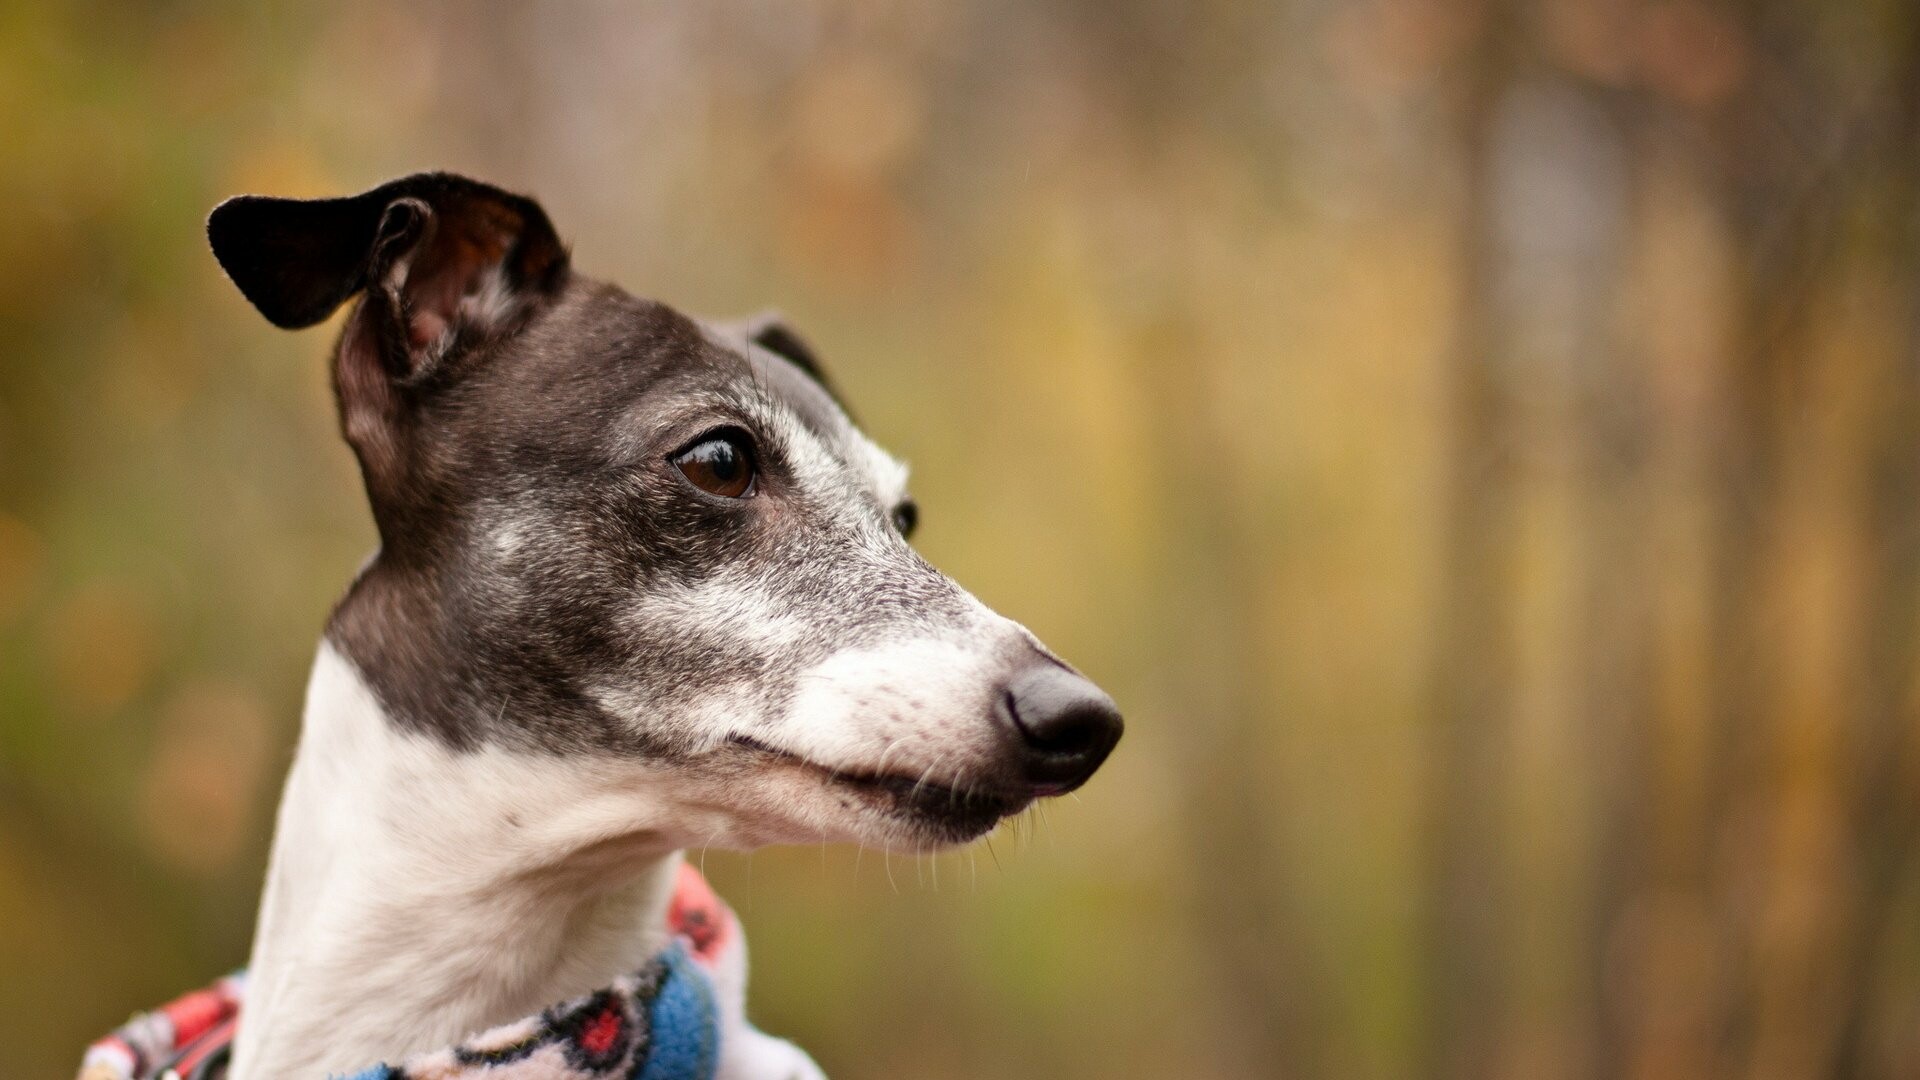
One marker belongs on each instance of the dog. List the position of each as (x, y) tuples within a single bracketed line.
[(641, 585)]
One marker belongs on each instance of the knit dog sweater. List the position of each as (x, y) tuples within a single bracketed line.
[(667, 1021)]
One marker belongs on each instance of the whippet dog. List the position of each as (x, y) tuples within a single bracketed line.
[(641, 585)]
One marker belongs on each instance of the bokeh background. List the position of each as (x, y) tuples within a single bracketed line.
[(1474, 439)]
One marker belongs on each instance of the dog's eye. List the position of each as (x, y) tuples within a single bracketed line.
[(906, 516), (721, 463)]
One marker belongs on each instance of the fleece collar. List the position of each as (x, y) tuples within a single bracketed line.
[(663, 1022)]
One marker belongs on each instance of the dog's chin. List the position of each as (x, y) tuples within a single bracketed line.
[(899, 809)]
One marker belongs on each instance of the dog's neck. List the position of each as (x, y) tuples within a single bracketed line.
[(418, 894)]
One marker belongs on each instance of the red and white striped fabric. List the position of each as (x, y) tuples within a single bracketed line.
[(188, 1035)]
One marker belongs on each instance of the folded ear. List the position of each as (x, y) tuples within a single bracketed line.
[(441, 255), (445, 263)]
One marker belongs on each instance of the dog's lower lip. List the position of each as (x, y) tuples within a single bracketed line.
[(964, 815), (752, 743)]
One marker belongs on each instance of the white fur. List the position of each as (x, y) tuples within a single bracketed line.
[(417, 895), (917, 708), (737, 606), (872, 472), (491, 302), (887, 474)]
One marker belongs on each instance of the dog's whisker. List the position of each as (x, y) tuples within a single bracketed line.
[(922, 782), (703, 852), (881, 769), (1040, 812)]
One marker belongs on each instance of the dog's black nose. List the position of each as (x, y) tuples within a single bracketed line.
[(1067, 726)]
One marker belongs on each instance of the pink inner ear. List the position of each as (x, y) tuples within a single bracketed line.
[(470, 242), (425, 328)]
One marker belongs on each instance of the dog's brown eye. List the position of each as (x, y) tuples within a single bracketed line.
[(720, 464), (906, 516)]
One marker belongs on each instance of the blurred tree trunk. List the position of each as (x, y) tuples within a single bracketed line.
[(1885, 812), (1798, 165), (1472, 661), (1270, 1022), (1778, 235), (1613, 670)]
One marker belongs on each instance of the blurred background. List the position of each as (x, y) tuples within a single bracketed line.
[(1475, 440)]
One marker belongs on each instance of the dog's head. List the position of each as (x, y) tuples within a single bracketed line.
[(610, 530)]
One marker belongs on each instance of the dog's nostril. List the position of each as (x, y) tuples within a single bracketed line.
[(1073, 731), (1067, 726)]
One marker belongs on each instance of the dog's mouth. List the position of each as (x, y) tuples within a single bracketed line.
[(956, 814)]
